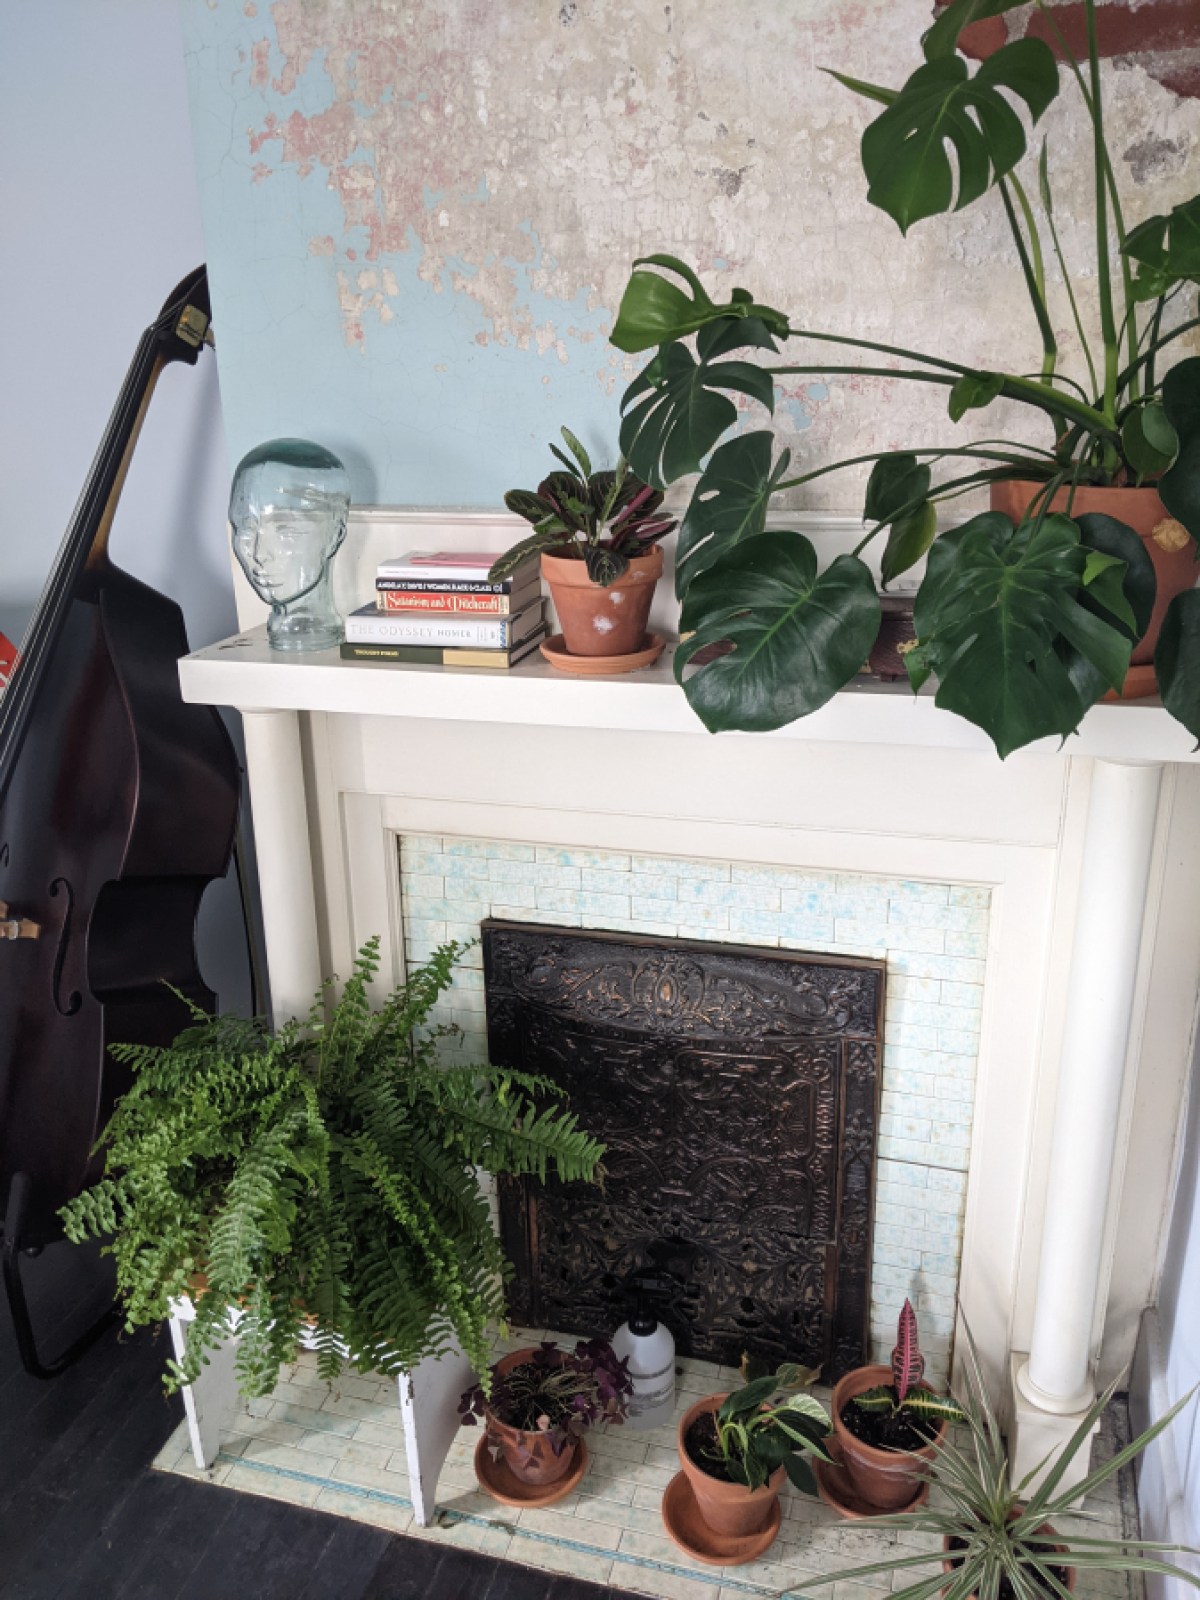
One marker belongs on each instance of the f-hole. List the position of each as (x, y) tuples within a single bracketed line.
[(74, 999)]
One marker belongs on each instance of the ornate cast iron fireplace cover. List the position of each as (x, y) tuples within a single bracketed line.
[(737, 1092)]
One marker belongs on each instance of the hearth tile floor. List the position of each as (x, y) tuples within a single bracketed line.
[(340, 1449)]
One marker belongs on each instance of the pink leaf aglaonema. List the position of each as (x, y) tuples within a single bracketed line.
[(908, 1364)]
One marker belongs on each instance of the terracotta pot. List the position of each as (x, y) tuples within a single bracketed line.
[(597, 621), (1144, 512), (895, 628), (949, 1565), (885, 1479), (730, 1509), (529, 1456)]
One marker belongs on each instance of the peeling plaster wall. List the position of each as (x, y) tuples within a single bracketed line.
[(421, 216)]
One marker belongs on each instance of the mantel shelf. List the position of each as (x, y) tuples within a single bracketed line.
[(244, 672)]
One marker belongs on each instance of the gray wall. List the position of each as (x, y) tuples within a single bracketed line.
[(100, 220)]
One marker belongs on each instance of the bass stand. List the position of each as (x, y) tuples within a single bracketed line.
[(12, 1251)]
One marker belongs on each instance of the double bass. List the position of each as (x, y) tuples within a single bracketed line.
[(118, 807)]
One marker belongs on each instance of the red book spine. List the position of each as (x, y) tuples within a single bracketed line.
[(472, 605)]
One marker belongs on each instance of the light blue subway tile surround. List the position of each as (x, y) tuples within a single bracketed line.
[(932, 935)]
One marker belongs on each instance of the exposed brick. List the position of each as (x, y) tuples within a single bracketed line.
[(1163, 25), (1162, 36)]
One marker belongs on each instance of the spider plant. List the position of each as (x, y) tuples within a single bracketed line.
[(996, 1532)]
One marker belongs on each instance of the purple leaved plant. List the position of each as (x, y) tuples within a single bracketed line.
[(557, 1392)]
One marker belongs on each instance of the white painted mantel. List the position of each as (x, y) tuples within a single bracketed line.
[(1091, 852)]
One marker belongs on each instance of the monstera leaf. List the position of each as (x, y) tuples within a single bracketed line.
[(942, 38), (798, 635), (997, 608), (906, 150), (1166, 249), (1177, 660), (1149, 441), (1179, 488), (729, 503), (655, 311), (675, 411), (1119, 587)]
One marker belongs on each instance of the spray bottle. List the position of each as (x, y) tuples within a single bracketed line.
[(650, 1350)]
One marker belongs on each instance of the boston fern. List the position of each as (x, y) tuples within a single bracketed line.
[(1024, 625), (320, 1181)]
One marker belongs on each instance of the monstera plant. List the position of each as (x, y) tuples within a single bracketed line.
[(1026, 619)]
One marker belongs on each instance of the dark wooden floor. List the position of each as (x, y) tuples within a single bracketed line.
[(83, 1518)]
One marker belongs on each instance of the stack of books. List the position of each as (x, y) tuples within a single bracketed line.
[(437, 607)]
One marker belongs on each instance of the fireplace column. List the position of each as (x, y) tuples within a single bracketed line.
[(1053, 1386), (284, 857)]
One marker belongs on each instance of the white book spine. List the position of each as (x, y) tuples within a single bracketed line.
[(463, 632)]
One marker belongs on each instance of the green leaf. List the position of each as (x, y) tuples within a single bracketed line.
[(728, 504), (898, 482), (1177, 661), (800, 1474), (577, 450), (996, 606), (1179, 486), (1149, 441), (798, 636), (749, 1397), (805, 1405), (674, 412), (570, 465), (942, 38), (524, 503), (507, 564), (906, 150), (908, 540), (654, 310), (869, 91), (1103, 578), (972, 392), (604, 565), (1166, 249)]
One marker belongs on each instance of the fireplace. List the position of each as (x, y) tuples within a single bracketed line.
[(737, 1092)]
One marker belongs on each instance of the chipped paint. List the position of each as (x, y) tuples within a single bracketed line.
[(469, 183)]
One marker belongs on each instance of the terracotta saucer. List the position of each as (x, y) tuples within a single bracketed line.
[(839, 1494), (682, 1520), (497, 1479), (555, 651)]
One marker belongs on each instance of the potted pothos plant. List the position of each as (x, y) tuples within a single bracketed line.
[(889, 1423), (1002, 1540), (540, 1402), (735, 1452), (320, 1182), (1027, 613), (598, 534)]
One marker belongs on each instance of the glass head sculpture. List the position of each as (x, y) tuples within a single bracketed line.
[(288, 509)]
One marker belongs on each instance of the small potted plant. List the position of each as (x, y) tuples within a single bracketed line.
[(735, 1451), (888, 1423), (537, 1404), (598, 535), (1007, 1541)]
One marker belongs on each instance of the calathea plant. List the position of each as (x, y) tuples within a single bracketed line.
[(320, 1180), (1025, 624), (907, 1397), (604, 518)]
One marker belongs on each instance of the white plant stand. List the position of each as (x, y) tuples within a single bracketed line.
[(427, 1397)]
